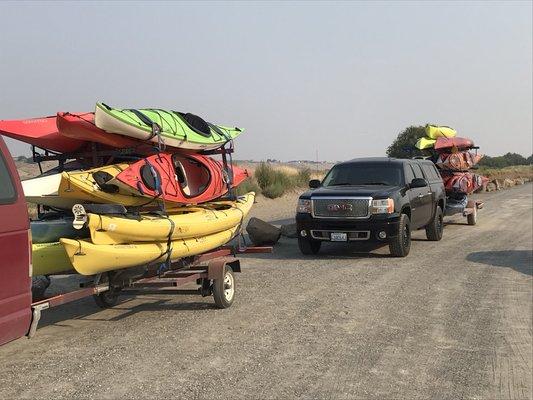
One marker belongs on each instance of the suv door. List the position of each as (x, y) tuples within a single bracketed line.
[(420, 199), (15, 269)]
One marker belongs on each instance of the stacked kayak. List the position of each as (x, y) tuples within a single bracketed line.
[(172, 128), (119, 242), (180, 223), (148, 180), (455, 158), (40, 132), (68, 132), (443, 135), (173, 178)]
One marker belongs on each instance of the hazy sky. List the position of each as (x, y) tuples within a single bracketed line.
[(340, 78)]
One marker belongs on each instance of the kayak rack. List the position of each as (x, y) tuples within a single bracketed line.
[(212, 271), (94, 154)]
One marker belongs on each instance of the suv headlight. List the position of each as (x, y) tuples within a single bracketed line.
[(304, 206), (384, 206)]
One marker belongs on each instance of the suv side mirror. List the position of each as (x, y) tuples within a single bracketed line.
[(418, 183), (314, 183)]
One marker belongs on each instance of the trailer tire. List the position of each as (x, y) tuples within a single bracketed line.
[(435, 227), (471, 219), (107, 299), (224, 289), (39, 284)]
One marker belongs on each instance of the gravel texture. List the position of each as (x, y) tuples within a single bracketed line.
[(453, 320)]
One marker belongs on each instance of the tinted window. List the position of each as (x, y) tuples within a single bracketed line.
[(365, 174), (409, 174), (7, 190), (417, 170), (429, 171)]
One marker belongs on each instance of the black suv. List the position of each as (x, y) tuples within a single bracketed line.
[(372, 199)]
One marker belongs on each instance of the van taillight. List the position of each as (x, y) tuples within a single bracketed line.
[(29, 255)]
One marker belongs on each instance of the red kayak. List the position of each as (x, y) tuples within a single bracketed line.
[(182, 178), (462, 182), (81, 126), (460, 143), (458, 161), (40, 132)]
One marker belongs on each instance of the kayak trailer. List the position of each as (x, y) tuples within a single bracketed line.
[(214, 273), (468, 210)]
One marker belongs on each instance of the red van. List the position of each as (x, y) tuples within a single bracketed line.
[(15, 252)]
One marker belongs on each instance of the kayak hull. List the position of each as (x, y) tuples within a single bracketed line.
[(443, 143), (45, 190), (180, 223), (462, 182), (80, 126), (50, 231), (175, 132), (40, 132), (459, 161), (183, 178), (49, 258), (66, 189), (90, 259), (425, 143), (434, 131)]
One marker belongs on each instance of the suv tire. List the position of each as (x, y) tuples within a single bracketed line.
[(309, 246), (435, 227), (401, 244)]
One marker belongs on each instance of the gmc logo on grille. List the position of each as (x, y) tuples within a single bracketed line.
[(340, 207)]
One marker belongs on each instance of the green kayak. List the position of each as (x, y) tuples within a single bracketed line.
[(172, 128)]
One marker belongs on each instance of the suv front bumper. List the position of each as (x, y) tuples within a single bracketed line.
[(357, 229)]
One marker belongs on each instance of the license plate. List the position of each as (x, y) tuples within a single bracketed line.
[(339, 237)]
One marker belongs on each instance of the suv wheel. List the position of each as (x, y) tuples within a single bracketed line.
[(435, 227), (401, 244), (309, 246)]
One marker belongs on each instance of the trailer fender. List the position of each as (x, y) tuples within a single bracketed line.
[(215, 268)]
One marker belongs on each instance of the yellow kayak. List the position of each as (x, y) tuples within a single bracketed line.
[(80, 185), (434, 131), (182, 222), (49, 258), (425, 143), (90, 259)]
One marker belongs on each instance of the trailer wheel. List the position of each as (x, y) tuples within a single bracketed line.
[(107, 299), (472, 217), (224, 289)]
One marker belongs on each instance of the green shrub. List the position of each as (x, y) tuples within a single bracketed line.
[(301, 179), (276, 182), (274, 190), (249, 185)]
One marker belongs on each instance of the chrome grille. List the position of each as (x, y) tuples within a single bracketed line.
[(341, 207)]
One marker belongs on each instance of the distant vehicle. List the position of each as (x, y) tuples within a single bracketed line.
[(15, 252), (372, 199)]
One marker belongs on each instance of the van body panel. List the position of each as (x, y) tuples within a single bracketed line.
[(15, 279)]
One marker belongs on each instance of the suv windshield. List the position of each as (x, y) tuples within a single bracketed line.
[(364, 174)]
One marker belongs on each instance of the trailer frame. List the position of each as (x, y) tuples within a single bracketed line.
[(212, 270)]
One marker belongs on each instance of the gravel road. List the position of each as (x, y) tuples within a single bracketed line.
[(453, 320)]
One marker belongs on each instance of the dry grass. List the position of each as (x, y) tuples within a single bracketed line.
[(519, 171)]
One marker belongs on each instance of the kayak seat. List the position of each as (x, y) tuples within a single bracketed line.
[(148, 178), (195, 123), (181, 174), (101, 178)]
